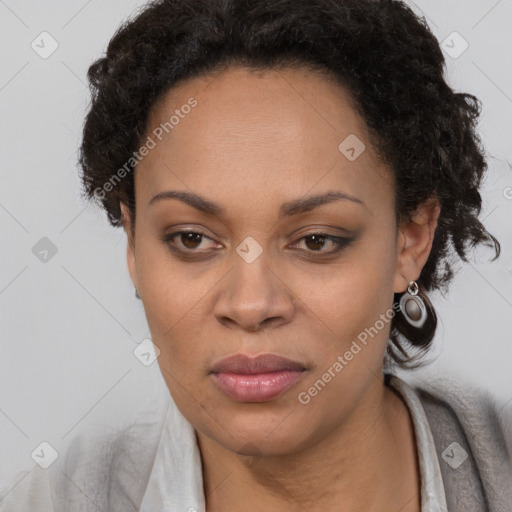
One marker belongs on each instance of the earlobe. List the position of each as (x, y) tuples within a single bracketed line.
[(130, 248), (414, 243)]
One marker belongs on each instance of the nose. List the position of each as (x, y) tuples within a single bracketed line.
[(253, 297)]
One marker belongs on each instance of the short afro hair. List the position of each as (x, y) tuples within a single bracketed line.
[(379, 50)]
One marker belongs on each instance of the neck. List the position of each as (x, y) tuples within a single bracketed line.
[(367, 463)]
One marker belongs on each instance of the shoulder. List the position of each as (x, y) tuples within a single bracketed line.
[(28, 490), (96, 472), (469, 424), (477, 411)]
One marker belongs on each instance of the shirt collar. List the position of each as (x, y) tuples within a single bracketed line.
[(433, 497), (176, 481)]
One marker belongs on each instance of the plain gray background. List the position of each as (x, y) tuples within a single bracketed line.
[(69, 319)]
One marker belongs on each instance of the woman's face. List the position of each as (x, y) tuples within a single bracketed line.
[(294, 253)]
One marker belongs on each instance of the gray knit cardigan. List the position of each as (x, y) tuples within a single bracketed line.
[(110, 474), (471, 417)]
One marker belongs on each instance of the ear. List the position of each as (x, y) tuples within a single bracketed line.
[(130, 249), (414, 243)]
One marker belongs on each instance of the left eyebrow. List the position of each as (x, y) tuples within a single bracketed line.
[(307, 204)]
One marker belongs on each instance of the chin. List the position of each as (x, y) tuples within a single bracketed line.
[(260, 435)]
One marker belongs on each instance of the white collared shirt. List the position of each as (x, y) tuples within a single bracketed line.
[(178, 455)]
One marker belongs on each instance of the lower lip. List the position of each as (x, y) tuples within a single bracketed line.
[(259, 387)]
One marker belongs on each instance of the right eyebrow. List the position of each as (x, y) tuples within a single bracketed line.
[(194, 200)]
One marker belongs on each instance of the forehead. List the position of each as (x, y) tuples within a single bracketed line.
[(291, 127)]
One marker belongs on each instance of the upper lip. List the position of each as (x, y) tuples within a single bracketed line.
[(264, 363)]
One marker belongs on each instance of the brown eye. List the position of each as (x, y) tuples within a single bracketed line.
[(189, 243), (315, 242), (191, 240), (322, 243)]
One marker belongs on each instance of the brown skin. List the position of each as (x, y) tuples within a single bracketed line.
[(255, 141)]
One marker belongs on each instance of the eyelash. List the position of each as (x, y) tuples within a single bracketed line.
[(339, 242)]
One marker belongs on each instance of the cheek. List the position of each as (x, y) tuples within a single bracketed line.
[(351, 294), (170, 288), (350, 324), (175, 317), (348, 309), (173, 298)]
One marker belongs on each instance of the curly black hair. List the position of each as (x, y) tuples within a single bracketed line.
[(380, 51)]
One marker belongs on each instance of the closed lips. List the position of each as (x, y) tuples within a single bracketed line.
[(266, 363), (256, 379)]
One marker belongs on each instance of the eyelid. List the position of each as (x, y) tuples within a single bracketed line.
[(322, 229), (168, 236), (189, 228), (340, 241)]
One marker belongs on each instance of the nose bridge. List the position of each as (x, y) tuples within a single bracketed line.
[(252, 294)]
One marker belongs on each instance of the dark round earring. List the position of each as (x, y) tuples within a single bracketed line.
[(137, 293), (412, 306)]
